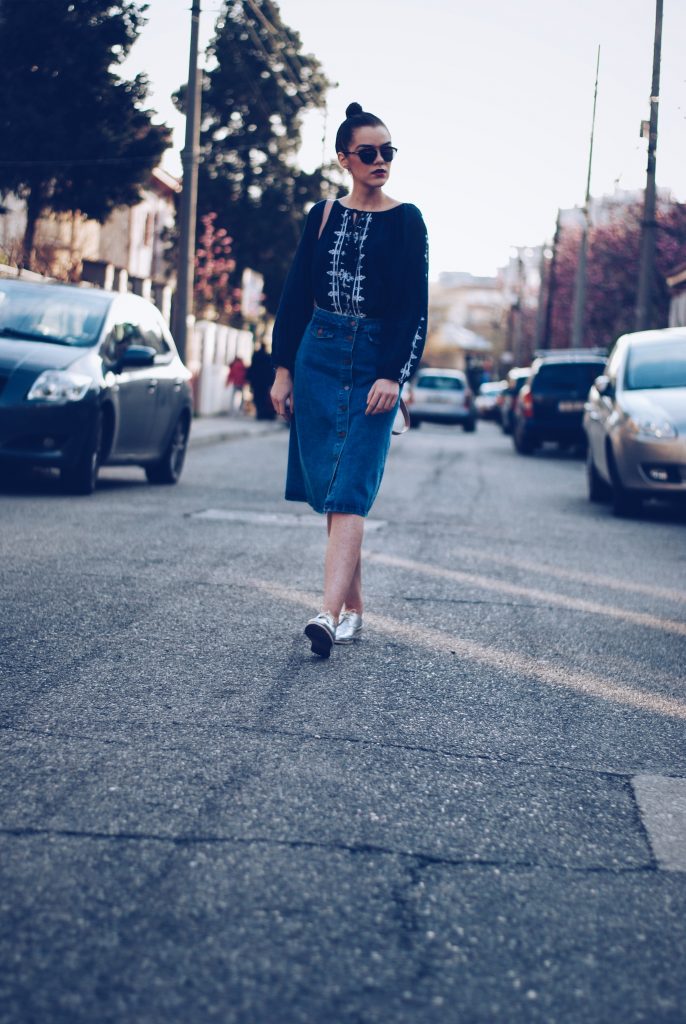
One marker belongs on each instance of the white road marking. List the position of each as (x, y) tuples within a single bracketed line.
[(506, 661), (307, 519), (545, 596), (575, 575), (662, 802)]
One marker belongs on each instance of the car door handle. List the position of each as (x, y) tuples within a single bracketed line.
[(178, 385), (152, 386)]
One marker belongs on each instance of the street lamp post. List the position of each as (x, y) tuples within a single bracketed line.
[(646, 272), (184, 318)]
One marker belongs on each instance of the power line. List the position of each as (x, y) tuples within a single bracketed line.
[(286, 85), (281, 44), (85, 162)]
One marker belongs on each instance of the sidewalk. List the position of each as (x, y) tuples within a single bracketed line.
[(213, 429)]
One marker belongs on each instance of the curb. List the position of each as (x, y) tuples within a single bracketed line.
[(231, 435)]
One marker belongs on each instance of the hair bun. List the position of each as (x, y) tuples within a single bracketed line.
[(352, 109)]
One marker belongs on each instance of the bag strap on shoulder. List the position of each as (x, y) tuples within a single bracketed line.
[(328, 206)]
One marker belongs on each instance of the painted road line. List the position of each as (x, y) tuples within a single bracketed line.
[(662, 802), (574, 575), (508, 662), (253, 518), (546, 597)]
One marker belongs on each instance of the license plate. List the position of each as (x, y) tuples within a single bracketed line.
[(570, 406)]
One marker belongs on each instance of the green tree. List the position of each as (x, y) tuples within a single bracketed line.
[(258, 86), (75, 136)]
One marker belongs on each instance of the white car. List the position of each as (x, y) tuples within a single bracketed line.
[(635, 421), (441, 396), (486, 401)]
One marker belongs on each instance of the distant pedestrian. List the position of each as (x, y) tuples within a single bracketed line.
[(349, 332), (260, 377), (235, 382)]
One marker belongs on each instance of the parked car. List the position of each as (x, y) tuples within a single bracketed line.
[(89, 377), (550, 406), (514, 382), (635, 421), (441, 396), (486, 401)]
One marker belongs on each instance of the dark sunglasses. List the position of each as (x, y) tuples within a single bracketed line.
[(367, 154)]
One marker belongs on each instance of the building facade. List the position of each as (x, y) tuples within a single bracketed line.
[(128, 252)]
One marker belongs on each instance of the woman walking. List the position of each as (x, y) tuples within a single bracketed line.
[(349, 332)]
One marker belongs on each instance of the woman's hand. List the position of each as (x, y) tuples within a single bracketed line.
[(382, 396), (281, 393)]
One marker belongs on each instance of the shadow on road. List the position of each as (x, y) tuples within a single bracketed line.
[(27, 482)]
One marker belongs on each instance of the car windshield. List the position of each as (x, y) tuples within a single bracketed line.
[(491, 388), (658, 364), (41, 312), (566, 376), (434, 383)]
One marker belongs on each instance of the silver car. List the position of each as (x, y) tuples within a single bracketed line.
[(441, 396), (635, 421)]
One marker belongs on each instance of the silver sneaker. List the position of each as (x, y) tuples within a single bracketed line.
[(349, 628), (321, 632)]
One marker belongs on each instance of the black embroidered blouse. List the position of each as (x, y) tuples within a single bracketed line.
[(364, 265)]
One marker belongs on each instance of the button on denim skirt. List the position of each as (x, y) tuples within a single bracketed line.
[(337, 455)]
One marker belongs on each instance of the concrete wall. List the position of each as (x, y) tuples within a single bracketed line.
[(211, 349), (677, 310)]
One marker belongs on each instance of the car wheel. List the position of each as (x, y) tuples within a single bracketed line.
[(522, 443), (81, 477), (469, 426), (598, 490), (624, 503), (167, 470)]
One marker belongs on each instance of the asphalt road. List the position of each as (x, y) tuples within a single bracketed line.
[(476, 814)]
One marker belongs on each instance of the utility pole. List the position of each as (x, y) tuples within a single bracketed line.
[(184, 318), (646, 272), (552, 285), (542, 291), (580, 280)]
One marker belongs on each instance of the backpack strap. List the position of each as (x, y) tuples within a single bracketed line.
[(328, 206)]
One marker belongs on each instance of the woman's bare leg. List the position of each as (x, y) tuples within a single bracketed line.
[(342, 567), (353, 599)]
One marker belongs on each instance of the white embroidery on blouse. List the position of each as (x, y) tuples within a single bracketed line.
[(341, 279), (357, 296), (335, 272), (406, 371)]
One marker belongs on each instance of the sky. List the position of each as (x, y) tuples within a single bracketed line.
[(489, 103)]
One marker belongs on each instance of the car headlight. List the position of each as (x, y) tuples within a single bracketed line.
[(653, 429), (59, 386)]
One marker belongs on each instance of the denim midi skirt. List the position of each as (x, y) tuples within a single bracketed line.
[(336, 454)]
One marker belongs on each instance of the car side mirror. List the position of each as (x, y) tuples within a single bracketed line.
[(137, 356), (604, 386)]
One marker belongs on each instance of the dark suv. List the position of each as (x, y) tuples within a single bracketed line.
[(550, 406)]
